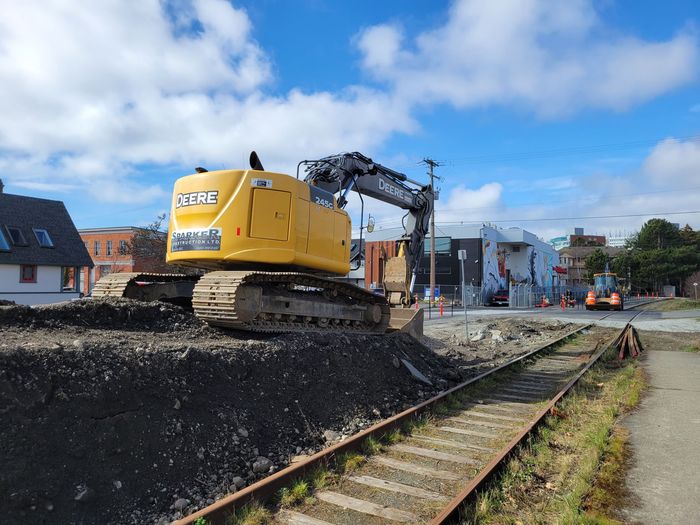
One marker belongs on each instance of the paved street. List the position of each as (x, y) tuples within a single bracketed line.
[(665, 472)]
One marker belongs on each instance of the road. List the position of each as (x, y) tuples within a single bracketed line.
[(674, 321)]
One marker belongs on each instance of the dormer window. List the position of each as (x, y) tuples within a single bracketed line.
[(16, 236), (43, 238), (4, 245)]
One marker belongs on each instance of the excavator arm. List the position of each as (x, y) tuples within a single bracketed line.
[(345, 172)]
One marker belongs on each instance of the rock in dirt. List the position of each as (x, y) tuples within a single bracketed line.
[(261, 464)]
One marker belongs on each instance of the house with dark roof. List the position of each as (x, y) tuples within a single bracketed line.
[(41, 252)]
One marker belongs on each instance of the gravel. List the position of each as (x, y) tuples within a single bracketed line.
[(126, 412)]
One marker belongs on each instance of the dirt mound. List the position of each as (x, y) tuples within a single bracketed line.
[(491, 342), (5, 302), (115, 426), (106, 314)]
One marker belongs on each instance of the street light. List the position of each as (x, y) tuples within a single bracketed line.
[(695, 285)]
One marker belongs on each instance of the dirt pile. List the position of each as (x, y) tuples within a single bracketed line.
[(159, 414), (106, 314), (490, 342)]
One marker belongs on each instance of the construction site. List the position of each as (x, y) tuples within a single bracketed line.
[(286, 263)]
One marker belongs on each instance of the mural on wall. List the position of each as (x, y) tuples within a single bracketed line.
[(492, 275), (501, 254)]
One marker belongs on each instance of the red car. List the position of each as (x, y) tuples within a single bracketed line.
[(500, 298)]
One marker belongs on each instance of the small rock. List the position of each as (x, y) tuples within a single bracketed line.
[(49, 506), (180, 504), (496, 334), (330, 435), (395, 361), (84, 494), (478, 337), (243, 432), (177, 404), (117, 484), (262, 464), (239, 482)]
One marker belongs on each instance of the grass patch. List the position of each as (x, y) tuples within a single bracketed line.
[(372, 446), (692, 349), (670, 305), (394, 436), (348, 462), (550, 478), (320, 478), (253, 514), (294, 494)]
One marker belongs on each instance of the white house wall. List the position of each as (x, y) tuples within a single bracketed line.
[(46, 289)]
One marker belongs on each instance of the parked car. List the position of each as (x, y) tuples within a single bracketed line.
[(500, 298)]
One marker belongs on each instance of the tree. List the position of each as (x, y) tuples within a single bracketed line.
[(656, 234), (596, 261), (151, 244)]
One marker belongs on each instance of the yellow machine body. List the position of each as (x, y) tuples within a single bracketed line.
[(237, 219)]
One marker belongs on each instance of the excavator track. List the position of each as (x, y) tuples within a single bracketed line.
[(286, 302), (146, 286)]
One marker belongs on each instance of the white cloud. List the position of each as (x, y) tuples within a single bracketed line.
[(92, 94), (675, 162), (551, 58)]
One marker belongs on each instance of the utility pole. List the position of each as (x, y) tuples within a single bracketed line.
[(431, 165)]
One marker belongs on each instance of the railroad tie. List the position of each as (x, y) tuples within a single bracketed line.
[(365, 507), (400, 488), (297, 518), (416, 469), (433, 454), (454, 444)]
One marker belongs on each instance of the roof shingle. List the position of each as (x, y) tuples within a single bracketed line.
[(27, 213)]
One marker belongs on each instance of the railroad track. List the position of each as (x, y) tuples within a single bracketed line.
[(426, 476)]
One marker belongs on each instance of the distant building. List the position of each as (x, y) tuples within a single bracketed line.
[(41, 254), (577, 237), (618, 239), (108, 248), (495, 258), (573, 259)]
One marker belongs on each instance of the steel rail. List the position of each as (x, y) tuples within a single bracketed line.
[(449, 512), (267, 487)]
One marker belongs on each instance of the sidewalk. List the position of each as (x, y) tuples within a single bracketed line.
[(664, 436)]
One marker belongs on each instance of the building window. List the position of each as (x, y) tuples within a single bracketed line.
[(27, 273), (69, 282), (43, 238), (16, 236), (122, 247), (4, 245), (109, 248), (105, 269), (443, 246), (96, 245)]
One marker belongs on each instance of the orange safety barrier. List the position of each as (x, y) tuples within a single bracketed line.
[(590, 298), (615, 299)]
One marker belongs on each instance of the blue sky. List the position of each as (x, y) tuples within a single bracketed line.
[(537, 110)]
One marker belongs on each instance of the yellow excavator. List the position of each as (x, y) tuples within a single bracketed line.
[(275, 245)]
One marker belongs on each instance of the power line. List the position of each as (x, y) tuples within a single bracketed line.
[(658, 214), (393, 219), (558, 152)]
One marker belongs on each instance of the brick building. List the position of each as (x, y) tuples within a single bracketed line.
[(108, 249)]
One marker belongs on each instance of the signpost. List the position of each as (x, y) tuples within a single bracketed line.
[(462, 256), (695, 285)]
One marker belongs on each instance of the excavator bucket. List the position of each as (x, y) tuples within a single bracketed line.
[(396, 279), (407, 320)]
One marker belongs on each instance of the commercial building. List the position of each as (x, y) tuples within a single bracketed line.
[(108, 248), (41, 254), (495, 258)]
